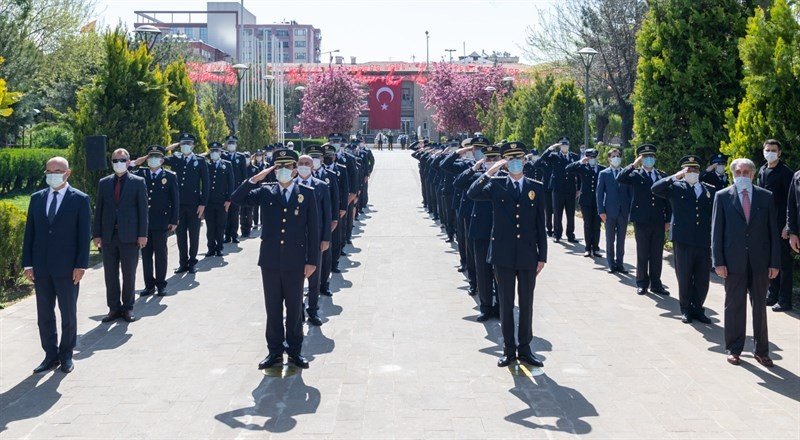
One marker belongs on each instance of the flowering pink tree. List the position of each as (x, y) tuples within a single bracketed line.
[(455, 94), (332, 101)]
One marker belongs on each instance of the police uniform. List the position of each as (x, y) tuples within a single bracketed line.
[(193, 180), (163, 210), (352, 175), (222, 186), (563, 186), (690, 233), (238, 162), (331, 178), (518, 245), (338, 172), (649, 214), (289, 241), (713, 178), (454, 165), (588, 175), (540, 170), (249, 214)]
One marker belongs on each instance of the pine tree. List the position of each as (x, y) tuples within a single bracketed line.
[(688, 74), (214, 121), (563, 117), (257, 126), (183, 113), (529, 103), (771, 56)]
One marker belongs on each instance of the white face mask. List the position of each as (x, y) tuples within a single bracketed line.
[(187, 148), (469, 156), (259, 159), (742, 182), (592, 162), (120, 168), (153, 162), (231, 147), (691, 178), (317, 164), (269, 155), (304, 171), (55, 180), (564, 148), (283, 175), (720, 169), (214, 156), (615, 161), (770, 156)]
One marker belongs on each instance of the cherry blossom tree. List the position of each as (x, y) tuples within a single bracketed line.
[(333, 99)]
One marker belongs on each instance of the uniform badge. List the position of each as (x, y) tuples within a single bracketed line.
[(164, 181), (195, 163), (708, 194), (328, 180), (297, 211), (300, 199), (223, 166), (531, 194)]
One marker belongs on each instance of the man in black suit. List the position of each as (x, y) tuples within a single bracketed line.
[(163, 205), (55, 255), (518, 249), (588, 170), (793, 213), (239, 164), (746, 252), (119, 231), (223, 184), (692, 202), (564, 187), (289, 252)]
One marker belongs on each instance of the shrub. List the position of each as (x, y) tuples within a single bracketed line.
[(23, 168), (12, 229), (51, 136)]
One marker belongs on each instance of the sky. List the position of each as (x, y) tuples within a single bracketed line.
[(380, 30)]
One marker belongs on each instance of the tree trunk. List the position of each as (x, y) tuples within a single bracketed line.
[(626, 112), (601, 122)]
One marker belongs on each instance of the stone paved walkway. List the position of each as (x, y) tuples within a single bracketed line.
[(400, 354)]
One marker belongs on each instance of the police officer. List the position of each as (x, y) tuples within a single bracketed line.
[(588, 171), (239, 164), (334, 168), (563, 185), (319, 155), (219, 199), (322, 196), (163, 211), (454, 164), (289, 252), (249, 214), (692, 203), (518, 248), (540, 170), (716, 175), (360, 167), (650, 216), (192, 174), (351, 173)]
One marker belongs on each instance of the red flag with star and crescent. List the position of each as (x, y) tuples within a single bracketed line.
[(384, 103)]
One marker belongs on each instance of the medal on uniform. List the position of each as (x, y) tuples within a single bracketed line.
[(195, 163), (327, 180), (164, 181), (300, 199), (296, 211), (531, 194), (223, 166)]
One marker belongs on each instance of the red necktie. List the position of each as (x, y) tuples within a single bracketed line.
[(746, 205), (117, 189)]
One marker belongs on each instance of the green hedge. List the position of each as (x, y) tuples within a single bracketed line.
[(23, 168), (12, 229)]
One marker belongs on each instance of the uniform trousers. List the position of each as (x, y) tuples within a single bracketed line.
[(649, 254), (154, 259), (284, 288), (188, 235), (484, 273), (561, 203), (691, 269), (216, 218), (591, 227), (524, 281)]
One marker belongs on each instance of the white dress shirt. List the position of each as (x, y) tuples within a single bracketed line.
[(60, 199)]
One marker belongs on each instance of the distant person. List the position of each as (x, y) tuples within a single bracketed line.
[(390, 141), (614, 206), (379, 140), (55, 255)]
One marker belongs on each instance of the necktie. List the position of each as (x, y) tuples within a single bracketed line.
[(51, 213), (117, 188), (153, 176), (283, 194), (518, 186), (746, 205), (616, 173)]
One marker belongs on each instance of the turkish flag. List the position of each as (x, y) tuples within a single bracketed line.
[(384, 104)]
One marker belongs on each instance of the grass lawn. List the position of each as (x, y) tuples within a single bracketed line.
[(20, 200)]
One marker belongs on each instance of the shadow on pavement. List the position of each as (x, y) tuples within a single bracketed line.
[(29, 398), (546, 398)]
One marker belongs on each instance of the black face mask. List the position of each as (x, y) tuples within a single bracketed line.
[(327, 160)]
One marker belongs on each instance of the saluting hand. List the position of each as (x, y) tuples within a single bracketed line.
[(262, 174), (464, 150), (679, 175), (554, 147), (584, 160), (478, 165), (309, 269), (638, 162), (496, 167)]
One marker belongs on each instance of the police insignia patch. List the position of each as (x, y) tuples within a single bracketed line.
[(164, 181), (531, 194), (297, 211), (327, 180), (300, 198)]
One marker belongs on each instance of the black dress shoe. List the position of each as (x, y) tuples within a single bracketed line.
[(325, 292), (67, 366), (549, 233), (505, 360), (660, 291), (235, 240), (313, 319), (702, 318), (111, 316), (192, 269), (211, 253), (128, 316), (780, 308), (270, 360), (621, 269), (572, 240), (472, 291), (245, 235), (162, 291), (336, 270), (530, 359), (587, 254), (462, 268), (483, 317), (344, 254), (46, 365), (557, 240), (596, 254), (182, 269), (299, 361), (772, 300), (349, 241), (147, 291), (612, 270), (218, 253), (449, 240), (227, 240), (686, 319), (641, 291)]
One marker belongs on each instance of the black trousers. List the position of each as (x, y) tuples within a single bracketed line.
[(561, 203), (616, 228), (313, 288), (484, 273), (188, 235), (284, 288), (548, 210), (246, 219), (364, 199), (524, 281), (216, 218), (649, 254), (691, 269), (451, 224), (326, 265), (737, 287), (155, 272), (232, 225), (256, 215), (49, 290), (461, 240), (120, 257), (351, 215), (780, 288), (337, 243), (591, 227)]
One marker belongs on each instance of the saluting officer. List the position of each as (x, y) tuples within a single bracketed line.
[(650, 216), (716, 175), (249, 214), (289, 252), (331, 178), (219, 199), (339, 171), (563, 185), (163, 211), (518, 248), (588, 170), (454, 164), (239, 164), (540, 170), (692, 203)]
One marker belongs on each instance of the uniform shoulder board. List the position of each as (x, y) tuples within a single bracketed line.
[(306, 186), (708, 185), (341, 165), (534, 181), (169, 172), (498, 177)]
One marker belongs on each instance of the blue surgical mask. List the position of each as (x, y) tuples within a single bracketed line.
[(742, 182), (515, 166), (283, 175), (592, 162), (649, 162), (478, 154)]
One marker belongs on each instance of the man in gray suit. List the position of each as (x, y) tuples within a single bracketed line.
[(119, 231), (746, 253), (614, 206)]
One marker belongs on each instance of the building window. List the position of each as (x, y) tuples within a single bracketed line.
[(300, 43), (282, 33), (285, 57), (300, 56), (299, 32), (204, 34), (285, 44), (407, 95), (406, 125)]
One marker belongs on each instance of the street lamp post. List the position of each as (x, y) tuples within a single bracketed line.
[(450, 51), (587, 55), (427, 49), (330, 59), (300, 89), (149, 34), (240, 70)]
